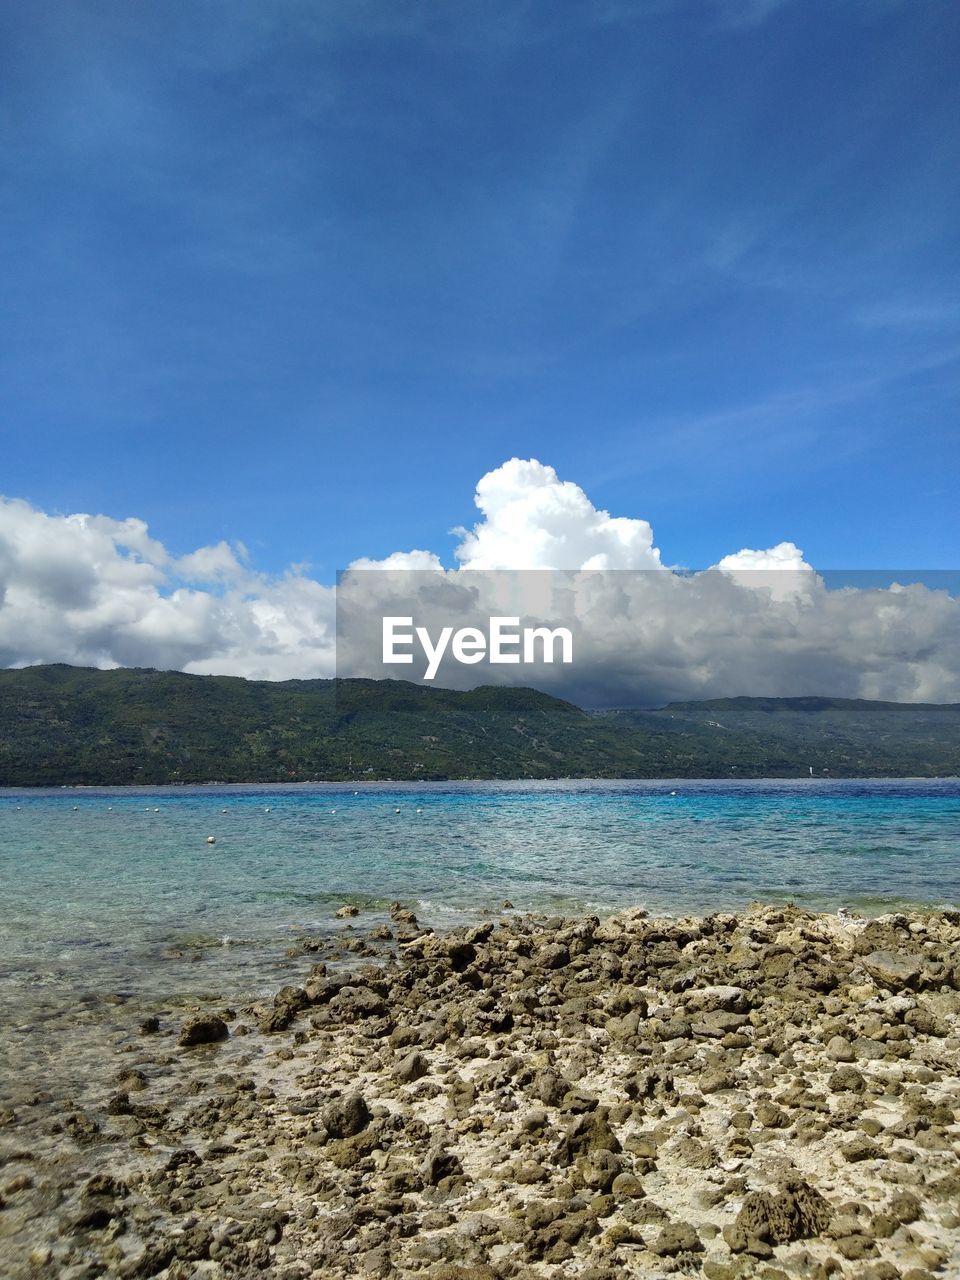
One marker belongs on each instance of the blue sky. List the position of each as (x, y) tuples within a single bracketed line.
[(300, 273)]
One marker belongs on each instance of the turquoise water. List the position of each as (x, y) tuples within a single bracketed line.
[(106, 890)]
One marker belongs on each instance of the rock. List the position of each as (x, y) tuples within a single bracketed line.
[(588, 1133), (549, 1087), (840, 1049), (676, 1237), (795, 1212), (892, 969), (716, 1081), (400, 914), (457, 1271), (771, 1116), (905, 1207), (413, 1067), (578, 1101), (540, 1213), (205, 1028), (598, 1169), (847, 1080), (278, 1019), (553, 956), (855, 1247), (717, 1023), (627, 1186), (460, 953), (346, 1117), (347, 911), (440, 1164), (104, 1184), (719, 998), (923, 1021), (861, 1148), (352, 1003)]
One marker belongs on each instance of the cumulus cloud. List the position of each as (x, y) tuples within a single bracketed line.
[(93, 591), (97, 592), (401, 560), (534, 520), (645, 637)]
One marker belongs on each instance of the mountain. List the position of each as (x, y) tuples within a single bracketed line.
[(69, 725), (847, 737)]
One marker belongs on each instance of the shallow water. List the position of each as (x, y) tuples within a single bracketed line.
[(118, 891), (113, 903)]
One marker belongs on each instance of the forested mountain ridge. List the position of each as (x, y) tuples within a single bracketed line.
[(69, 725)]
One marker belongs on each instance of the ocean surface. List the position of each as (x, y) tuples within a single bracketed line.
[(110, 889), (112, 902)]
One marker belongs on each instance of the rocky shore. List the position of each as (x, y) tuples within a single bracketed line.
[(773, 1094)]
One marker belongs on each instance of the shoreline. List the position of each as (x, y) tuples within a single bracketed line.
[(772, 1093), (419, 783)]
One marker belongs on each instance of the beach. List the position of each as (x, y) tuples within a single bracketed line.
[(769, 1093)]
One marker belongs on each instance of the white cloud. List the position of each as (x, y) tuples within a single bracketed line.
[(785, 555), (781, 571), (534, 520), (401, 560), (98, 592), (219, 563), (93, 591)]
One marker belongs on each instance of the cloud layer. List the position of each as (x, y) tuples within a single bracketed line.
[(97, 592), (93, 591)]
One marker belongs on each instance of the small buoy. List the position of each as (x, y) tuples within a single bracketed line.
[(156, 811), (333, 811), (419, 811), (109, 808), (75, 808), (396, 811), (211, 839), (673, 793), (223, 811), (356, 793), (267, 809)]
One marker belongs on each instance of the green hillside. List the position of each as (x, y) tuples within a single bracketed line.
[(843, 736), (61, 724)]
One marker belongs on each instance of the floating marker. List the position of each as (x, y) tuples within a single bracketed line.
[(419, 811), (211, 839), (396, 811)]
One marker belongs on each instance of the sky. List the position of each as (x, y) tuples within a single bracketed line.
[(295, 277)]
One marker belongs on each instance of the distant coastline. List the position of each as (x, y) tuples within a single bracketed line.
[(70, 726)]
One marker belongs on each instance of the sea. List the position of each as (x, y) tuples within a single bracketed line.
[(115, 901)]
